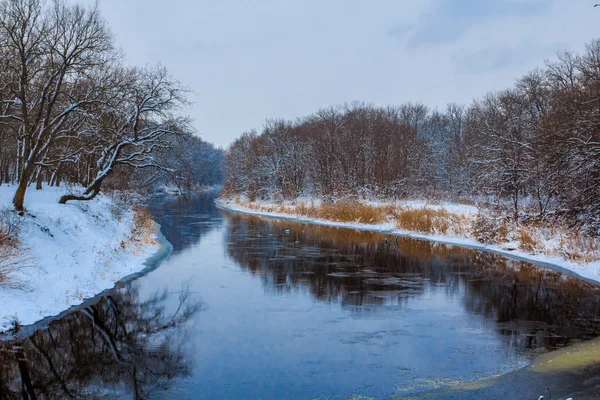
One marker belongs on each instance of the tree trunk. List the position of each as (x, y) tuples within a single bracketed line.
[(38, 183), (89, 194), (19, 199)]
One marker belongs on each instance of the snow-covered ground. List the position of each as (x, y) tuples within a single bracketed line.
[(71, 252), (587, 271)]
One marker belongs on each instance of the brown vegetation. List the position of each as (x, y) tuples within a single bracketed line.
[(145, 227), (432, 221), (533, 236), (11, 258)]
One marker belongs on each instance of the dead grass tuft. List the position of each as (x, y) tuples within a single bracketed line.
[(143, 219), (339, 211), (432, 221), (578, 248), (420, 220), (143, 233), (490, 230), (348, 211), (527, 241)]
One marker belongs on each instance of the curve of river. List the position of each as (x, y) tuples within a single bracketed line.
[(257, 308)]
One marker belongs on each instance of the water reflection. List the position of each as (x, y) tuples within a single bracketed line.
[(120, 346), (184, 220), (532, 307)]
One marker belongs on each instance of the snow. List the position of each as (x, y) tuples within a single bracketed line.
[(73, 252), (589, 272)]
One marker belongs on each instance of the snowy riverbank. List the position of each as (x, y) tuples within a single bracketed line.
[(71, 253), (589, 271)]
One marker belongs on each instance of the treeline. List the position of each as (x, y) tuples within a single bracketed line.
[(537, 142), (72, 112)]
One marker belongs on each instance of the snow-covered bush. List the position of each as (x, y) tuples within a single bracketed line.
[(121, 204), (10, 225), (11, 259)]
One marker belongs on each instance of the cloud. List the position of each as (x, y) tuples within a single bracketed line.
[(246, 61), (447, 20)]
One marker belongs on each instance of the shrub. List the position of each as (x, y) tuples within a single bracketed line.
[(490, 230), (417, 219), (121, 202), (10, 226), (11, 258), (580, 248)]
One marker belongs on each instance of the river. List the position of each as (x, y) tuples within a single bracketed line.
[(254, 308)]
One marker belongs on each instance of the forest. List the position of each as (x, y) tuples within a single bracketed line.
[(532, 150), (73, 112)]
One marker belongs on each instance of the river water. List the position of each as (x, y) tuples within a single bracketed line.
[(251, 308)]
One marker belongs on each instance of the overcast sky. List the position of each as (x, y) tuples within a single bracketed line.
[(250, 60)]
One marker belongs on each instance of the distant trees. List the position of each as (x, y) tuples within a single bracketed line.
[(537, 142), (70, 111)]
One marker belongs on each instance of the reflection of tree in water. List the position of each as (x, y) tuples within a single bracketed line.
[(353, 267), (357, 269), (185, 220), (117, 347), (536, 306)]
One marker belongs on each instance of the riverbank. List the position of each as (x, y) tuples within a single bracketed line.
[(458, 224), (65, 254)]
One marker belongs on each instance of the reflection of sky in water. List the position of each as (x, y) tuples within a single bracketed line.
[(317, 313)]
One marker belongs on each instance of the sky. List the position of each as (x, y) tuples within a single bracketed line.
[(246, 61)]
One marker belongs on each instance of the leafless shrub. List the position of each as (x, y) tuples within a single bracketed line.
[(578, 247), (10, 226), (527, 241), (12, 260), (490, 230), (121, 203)]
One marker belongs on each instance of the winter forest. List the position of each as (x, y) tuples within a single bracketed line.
[(72, 111), (530, 150)]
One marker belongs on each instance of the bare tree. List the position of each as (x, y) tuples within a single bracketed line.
[(48, 52), (133, 123)]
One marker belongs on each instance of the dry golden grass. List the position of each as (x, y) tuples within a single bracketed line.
[(502, 232), (578, 248), (527, 241), (422, 220), (550, 238), (143, 219), (144, 227), (433, 221), (341, 211), (347, 211)]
